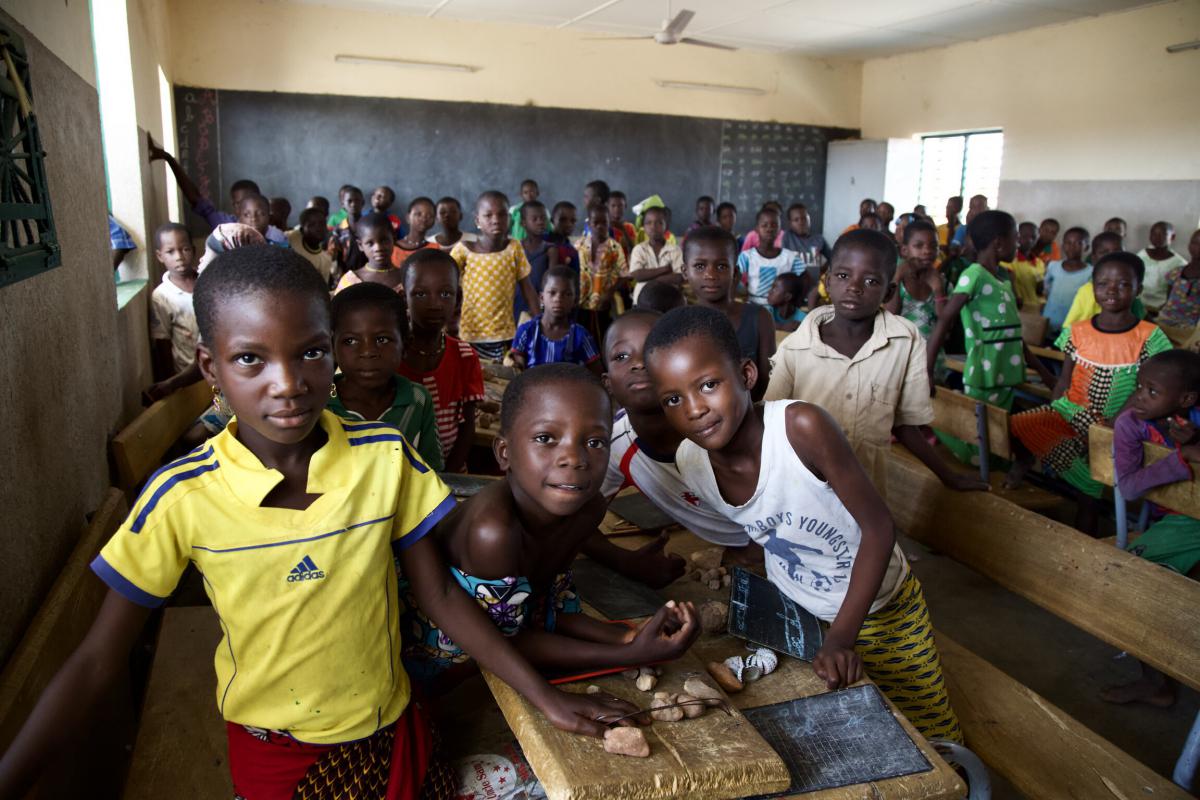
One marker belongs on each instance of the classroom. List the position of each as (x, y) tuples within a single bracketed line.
[(806, 393)]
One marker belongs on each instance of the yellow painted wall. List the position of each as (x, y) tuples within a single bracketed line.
[(289, 47), (63, 26), (1095, 99)]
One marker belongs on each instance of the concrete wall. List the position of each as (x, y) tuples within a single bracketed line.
[(1098, 119), (59, 393), (289, 47)]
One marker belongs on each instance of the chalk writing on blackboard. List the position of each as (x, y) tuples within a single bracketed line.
[(198, 140), (760, 613)]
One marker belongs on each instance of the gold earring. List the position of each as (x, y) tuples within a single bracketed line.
[(333, 390), (220, 403)]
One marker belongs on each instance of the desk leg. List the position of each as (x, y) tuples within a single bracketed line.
[(977, 774), (985, 449), (1185, 767)]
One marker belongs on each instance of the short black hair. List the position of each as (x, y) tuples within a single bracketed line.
[(660, 210), (915, 225), (426, 255), (1168, 227), (318, 201), (349, 189), (1106, 236), (704, 198), (416, 201), (562, 273), (242, 184), (791, 283), (1126, 259), (1078, 230), (989, 226), (531, 380), (1182, 365), (529, 182), (875, 242), (600, 190), (1052, 221), (374, 222), (659, 297), (561, 205), (368, 295), (635, 313), (711, 234), (254, 198), (494, 195), (684, 323), (448, 200), (765, 211), (388, 189), (165, 228), (796, 207), (310, 212), (597, 207), (1027, 224), (726, 206), (1116, 219), (255, 269), (532, 205), (617, 195)]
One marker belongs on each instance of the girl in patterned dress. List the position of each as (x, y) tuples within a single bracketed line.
[(919, 288), (1101, 357), (601, 264), (1182, 307)]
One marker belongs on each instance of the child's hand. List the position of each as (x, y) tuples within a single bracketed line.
[(1182, 431), (837, 664), (331, 247), (965, 482), (156, 153), (667, 635), (655, 567), (578, 713)]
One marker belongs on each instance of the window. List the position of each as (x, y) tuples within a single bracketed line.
[(959, 164), (28, 242)]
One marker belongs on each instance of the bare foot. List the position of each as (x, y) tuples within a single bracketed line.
[(1159, 694), (1015, 476)]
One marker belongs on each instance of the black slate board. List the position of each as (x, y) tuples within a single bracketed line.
[(611, 593), (760, 613), (837, 739), (636, 508)]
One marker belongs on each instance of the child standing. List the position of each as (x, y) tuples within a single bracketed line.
[(704, 214), (799, 238), (448, 368), (563, 219), (529, 193), (655, 259), (492, 268), (541, 255), (510, 547), (312, 241), (751, 240), (1027, 270), (1100, 365), (1182, 306), (288, 474), (367, 322), (1046, 245), (1159, 259), (623, 231), (382, 200), (1065, 277), (727, 219), (758, 266), (601, 265), (173, 329), (345, 224), (710, 258), (787, 474), (1162, 410), (863, 364), (785, 293), (373, 237), (449, 216), (920, 291), (420, 220), (551, 337)]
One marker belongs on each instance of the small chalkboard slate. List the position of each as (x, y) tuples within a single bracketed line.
[(760, 613), (611, 593), (636, 508), (837, 739), (464, 486)]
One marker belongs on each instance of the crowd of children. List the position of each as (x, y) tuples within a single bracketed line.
[(640, 359)]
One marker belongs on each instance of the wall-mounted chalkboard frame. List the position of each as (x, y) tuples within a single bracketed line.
[(298, 145)]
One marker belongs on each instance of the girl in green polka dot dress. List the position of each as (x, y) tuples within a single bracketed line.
[(987, 305)]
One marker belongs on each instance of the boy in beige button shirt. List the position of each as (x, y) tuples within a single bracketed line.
[(864, 365)]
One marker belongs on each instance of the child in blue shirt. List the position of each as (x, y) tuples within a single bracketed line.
[(552, 336)]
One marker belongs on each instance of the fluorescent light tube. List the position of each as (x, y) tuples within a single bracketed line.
[(405, 63), (1179, 48), (711, 87)]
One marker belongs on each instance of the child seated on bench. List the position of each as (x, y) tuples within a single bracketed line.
[(510, 547), (1100, 363), (293, 516), (1162, 410), (785, 472)]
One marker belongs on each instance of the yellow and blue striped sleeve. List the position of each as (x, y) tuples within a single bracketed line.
[(424, 499)]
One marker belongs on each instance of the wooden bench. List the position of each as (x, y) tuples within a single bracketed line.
[(1116, 597), (958, 364), (139, 448), (1033, 327), (58, 627), (973, 421)]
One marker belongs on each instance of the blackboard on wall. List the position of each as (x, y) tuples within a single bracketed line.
[(300, 145)]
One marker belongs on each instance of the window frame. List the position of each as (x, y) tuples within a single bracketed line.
[(965, 135)]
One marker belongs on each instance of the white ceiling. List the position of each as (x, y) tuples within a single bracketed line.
[(828, 28)]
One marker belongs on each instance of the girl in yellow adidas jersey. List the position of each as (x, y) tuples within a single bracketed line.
[(293, 516)]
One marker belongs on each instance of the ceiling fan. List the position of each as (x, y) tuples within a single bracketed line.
[(671, 33)]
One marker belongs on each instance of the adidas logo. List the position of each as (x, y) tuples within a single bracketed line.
[(306, 570)]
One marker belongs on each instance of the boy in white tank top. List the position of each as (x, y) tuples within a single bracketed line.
[(786, 473)]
